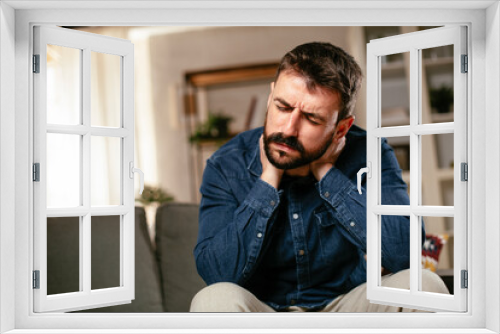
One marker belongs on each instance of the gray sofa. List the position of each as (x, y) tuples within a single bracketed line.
[(165, 278)]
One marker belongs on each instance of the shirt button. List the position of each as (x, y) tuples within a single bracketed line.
[(272, 203), (327, 194), (259, 235), (295, 216), (301, 252), (353, 224)]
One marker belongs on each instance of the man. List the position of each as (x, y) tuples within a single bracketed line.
[(282, 226)]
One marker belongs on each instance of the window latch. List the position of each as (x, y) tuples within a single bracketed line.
[(368, 171), (133, 170)]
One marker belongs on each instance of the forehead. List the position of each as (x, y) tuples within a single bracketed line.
[(295, 90)]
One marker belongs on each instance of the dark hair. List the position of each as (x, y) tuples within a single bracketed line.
[(328, 66)]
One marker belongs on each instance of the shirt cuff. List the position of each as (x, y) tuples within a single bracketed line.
[(264, 198), (334, 186)]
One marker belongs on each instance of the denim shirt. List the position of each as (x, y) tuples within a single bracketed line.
[(303, 244)]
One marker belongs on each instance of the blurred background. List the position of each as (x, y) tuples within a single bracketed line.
[(196, 87)]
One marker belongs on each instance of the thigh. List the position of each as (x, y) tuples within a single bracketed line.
[(227, 297), (355, 300)]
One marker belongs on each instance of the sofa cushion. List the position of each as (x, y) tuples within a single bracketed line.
[(147, 277), (176, 234)]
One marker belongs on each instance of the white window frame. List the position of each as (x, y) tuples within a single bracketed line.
[(483, 20)]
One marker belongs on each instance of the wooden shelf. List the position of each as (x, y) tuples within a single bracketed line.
[(397, 68), (445, 174), (442, 118), (393, 69), (208, 142), (232, 75), (438, 62)]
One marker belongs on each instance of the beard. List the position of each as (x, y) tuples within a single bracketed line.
[(286, 161)]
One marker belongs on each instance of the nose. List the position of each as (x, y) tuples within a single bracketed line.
[(291, 127)]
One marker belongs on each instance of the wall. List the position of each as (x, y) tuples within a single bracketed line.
[(172, 55), (7, 159), (491, 166)]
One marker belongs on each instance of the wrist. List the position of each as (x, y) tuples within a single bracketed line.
[(273, 179), (320, 171)]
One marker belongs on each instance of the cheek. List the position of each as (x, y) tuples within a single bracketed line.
[(314, 139), (273, 121)]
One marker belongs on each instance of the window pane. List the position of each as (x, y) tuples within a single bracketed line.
[(437, 83), (105, 90), (63, 170), (63, 255), (105, 252), (401, 147), (397, 246), (63, 85), (105, 171), (437, 251), (395, 98), (437, 169)]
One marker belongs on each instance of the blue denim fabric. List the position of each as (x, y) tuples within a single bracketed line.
[(303, 244)]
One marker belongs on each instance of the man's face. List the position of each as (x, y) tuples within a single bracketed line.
[(300, 124)]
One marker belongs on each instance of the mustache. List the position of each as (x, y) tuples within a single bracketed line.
[(278, 138)]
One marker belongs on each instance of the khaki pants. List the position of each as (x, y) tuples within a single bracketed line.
[(229, 297)]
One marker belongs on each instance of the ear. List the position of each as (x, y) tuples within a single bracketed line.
[(343, 127)]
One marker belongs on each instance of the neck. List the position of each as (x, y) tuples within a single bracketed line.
[(298, 172)]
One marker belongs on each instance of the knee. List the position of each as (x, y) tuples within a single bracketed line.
[(431, 282), (218, 297)]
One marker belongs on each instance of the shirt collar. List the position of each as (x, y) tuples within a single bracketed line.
[(255, 166)]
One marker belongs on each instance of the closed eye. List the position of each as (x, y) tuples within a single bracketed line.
[(313, 118), (282, 108)]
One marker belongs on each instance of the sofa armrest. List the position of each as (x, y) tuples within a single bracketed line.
[(176, 235)]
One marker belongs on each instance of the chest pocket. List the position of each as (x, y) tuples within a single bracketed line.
[(334, 246)]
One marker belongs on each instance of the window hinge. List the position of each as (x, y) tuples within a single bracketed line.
[(36, 279), (465, 64), (36, 63), (465, 279), (464, 171), (36, 172)]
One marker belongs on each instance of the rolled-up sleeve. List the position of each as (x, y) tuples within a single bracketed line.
[(231, 234), (348, 207)]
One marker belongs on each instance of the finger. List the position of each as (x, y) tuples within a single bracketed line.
[(261, 143), (340, 146)]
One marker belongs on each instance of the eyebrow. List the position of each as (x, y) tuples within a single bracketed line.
[(311, 114), (280, 100)]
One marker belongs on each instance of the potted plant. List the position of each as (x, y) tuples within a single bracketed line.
[(152, 198), (216, 127), (441, 99)]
